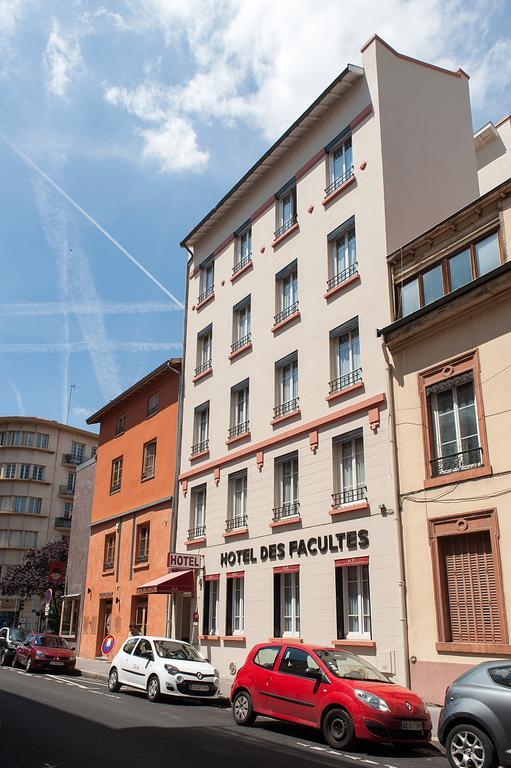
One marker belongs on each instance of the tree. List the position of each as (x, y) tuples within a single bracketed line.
[(30, 578)]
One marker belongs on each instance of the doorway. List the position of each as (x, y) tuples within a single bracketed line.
[(104, 622)]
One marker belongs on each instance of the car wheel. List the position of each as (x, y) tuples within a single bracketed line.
[(242, 708), (338, 729), (469, 747), (153, 689), (113, 681)]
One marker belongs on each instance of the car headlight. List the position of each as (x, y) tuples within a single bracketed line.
[(72, 658), (40, 655), (171, 670), (372, 700)]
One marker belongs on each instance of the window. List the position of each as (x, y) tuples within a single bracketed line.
[(144, 649), (456, 443), (286, 486), (353, 600), (27, 505), (501, 675), (349, 471), (266, 657), (149, 460), (18, 539), (286, 371), (197, 512), (343, 254), (210, 614), (109, 553), (286, 282), (286, 208), (69, 619), (71, 482), (201, 429), (340, 164), (68, 509), (93, 452), (286, 599), (243, 249), (13, 438), (204, 350), (129, 645), (297, 662), (235, 621), (77, 452), (468, 582), (142, 551), (116, 477), (120, 426), (453, 272), (41, 440), (241, 324), (24, 472), (7, 471), (345, 356), (141, 604), (207, 274), (153, 403), (237, 501), (239, 409)]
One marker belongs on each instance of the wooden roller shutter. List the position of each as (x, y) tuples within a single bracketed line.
[(471, 588)]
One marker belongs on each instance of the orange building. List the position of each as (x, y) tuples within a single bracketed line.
[(132, 510)]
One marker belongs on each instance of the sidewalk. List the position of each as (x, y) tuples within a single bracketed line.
[(97, 669)]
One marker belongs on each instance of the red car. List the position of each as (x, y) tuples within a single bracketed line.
[(44, 651), (330, 689)]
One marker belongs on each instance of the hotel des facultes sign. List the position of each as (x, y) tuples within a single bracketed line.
[(312, 547)]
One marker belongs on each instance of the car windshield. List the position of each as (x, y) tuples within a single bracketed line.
[(170, 649), (51, 641), (349, 666), (18, 635)]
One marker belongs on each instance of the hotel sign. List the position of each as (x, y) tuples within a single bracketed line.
[(185, 562), (311, 547)]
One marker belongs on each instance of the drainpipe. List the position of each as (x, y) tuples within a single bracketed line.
[(396, 500), (175, 498)]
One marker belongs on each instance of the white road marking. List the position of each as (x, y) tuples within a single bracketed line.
[(340, 754)]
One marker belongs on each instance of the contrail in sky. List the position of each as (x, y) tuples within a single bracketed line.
[(91, 219)]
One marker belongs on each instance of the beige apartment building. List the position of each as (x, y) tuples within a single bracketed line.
[(450, 349), (38, 460), (288, 481)]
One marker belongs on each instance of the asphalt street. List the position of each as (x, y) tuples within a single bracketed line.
[(51, 721)]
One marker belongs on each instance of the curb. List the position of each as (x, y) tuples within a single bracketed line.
[(93, 675)]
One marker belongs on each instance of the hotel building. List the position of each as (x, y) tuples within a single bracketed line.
[(288, 480)]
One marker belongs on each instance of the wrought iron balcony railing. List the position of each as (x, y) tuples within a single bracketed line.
[(291, 405), (339, 181), (205, 294), (239, 429), (457, 462), (65, 490), (236, 522), (197, 532), (349, 496), (346, 381), (289, 509), (287, 312), (242, 263), (241, 342), (63, 522), (341, 277), (71, 458), (286, 225), (205, 366), (200, 447)]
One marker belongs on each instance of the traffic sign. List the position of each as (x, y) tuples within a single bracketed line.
[(107, 645)]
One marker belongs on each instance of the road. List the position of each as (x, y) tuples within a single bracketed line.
[(49, 721)]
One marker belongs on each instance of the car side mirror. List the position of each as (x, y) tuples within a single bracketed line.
[(314, 674)]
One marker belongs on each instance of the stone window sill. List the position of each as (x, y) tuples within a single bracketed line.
[(205, 301), (458, 477), (235, 532), (338, 288), (195, 542), (240, 351), (210, 638), (333, 195), (286, 521), (349, 508), (285, 417), (285, 235), (241, 271), (346, 391), (202, 375), (495, 649), (287, 321), (237, 438), (353, 643), (234, 638), (200, 455), (141, 566)]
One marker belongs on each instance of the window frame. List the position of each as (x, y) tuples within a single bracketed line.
[(358, 489), (364, 634), (152, 409), (116, 472), (145, 475), (295, 618), (120, 425), (333, 181), (142, 542), (109, 544), (242, 256)]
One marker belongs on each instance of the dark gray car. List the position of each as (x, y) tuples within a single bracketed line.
[(475, 723)]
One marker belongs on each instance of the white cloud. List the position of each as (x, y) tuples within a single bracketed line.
[(41, 309), (63, 59), (174, 146), (11, 12), (98, 347), (18, 397)]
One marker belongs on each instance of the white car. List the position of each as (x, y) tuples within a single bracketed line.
[(162, 665)]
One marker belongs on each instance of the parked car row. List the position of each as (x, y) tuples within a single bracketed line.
[(35, 651)]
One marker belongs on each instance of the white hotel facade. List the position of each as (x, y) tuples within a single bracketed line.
[(288, 482)]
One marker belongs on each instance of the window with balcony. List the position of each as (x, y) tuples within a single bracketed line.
[(343, 254), (149, 460), (349, 469), (353, 600), (207, 279), (235, 618), (286, 298), (455, 431), (287, 502), (7, 471), (68, 509), (109, 552), (453, 272), (242, 249), (237, 506), (286, 602), (25, 505), (286, 386), (211, 599), (35, 440), (204, 350), (116, 475), (340, 163), (240, 423), (153, 403), (197, 512), (142, 548), (345, 356), (241, 324), (201, 429), (286, 216), (120, 425), (77, 452)]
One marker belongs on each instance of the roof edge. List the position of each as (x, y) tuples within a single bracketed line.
[(458, 73)]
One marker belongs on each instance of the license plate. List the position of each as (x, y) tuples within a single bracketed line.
[(197, 687), (57, 663), (411, 725)]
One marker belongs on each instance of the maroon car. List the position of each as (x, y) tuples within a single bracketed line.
[(45, 651)]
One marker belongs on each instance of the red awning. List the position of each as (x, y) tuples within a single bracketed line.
[(178, 581)]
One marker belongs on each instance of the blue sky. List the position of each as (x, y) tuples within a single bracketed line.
[(145, 112)]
